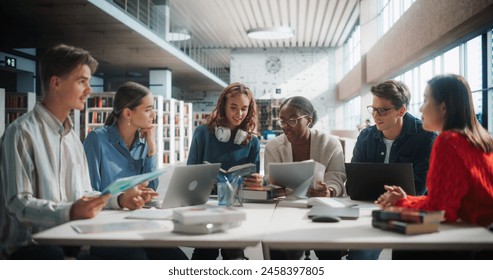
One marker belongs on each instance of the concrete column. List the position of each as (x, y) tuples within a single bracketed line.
[(160, 82)]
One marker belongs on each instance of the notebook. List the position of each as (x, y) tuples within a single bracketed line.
[(296, 177), (188, 185), (344, 213), (365, 181)]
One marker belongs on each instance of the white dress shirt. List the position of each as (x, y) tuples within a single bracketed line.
[(43, 171)]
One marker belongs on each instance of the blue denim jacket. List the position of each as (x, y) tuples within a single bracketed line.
[(412, 146)]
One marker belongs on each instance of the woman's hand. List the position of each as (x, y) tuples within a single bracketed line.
[(136, 197), (389, 198), (150, 135), (321, 190), (254, 180)]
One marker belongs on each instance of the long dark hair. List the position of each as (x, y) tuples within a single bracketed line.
[(303, 105), (454, 92), (218, 115), (128, 95)]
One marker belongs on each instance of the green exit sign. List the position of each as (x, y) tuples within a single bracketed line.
[(10, 62)]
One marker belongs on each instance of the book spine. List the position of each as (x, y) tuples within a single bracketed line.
[(389, 225), (383, 215)]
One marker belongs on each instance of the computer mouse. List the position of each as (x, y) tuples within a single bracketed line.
[(325, 219)]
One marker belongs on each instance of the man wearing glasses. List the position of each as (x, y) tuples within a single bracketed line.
[(396, 137)]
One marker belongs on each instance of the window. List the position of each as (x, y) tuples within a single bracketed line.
[(389, 12), (451, 61), (352, 50), (352, 113)]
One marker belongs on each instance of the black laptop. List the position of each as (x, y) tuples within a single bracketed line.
[(365, 181)]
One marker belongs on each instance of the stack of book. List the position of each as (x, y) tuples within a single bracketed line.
[(264, 193), (406, 220), (204, 219)]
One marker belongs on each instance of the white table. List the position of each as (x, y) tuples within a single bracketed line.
[(276, 228), (291, 229), (249, 233)]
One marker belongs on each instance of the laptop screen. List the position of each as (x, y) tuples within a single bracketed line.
[(365, 181)]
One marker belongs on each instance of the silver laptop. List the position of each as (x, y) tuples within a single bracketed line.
[(188, 185), (181, 186), (365, 181)]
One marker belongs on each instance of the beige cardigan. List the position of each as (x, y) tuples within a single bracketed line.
[(324, 148)]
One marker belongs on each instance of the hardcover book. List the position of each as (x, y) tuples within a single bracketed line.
[(238, 170), (408, 228), (205, 214), (409, 215), (265, 193)]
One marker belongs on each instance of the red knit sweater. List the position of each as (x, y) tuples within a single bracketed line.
[(459, 181)]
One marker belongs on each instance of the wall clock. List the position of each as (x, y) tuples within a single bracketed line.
[(273, 64)]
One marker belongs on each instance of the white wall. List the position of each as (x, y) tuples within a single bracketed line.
[(309, 72)]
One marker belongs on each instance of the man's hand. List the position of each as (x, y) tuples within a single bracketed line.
[(88, 207)]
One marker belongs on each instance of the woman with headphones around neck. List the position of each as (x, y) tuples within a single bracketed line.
[(229, 138)]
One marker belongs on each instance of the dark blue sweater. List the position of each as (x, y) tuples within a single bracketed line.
[(206, 147), (412, 146)]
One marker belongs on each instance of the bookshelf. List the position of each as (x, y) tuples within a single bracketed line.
[(14, 105), (200, 118), (168, 125), (268, 114), (159, 115), (275, 106), (173, 124), (98, 108), (187, 128)]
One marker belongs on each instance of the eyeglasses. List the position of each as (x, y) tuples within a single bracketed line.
[(380, 111), (292, 122)]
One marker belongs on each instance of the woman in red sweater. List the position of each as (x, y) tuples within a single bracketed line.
[(460, 175)]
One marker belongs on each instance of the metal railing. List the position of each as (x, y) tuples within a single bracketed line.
[(153, 17)]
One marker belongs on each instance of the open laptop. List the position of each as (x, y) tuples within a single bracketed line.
[(186, 186), (365, 181), (296, 177), (189, 185)]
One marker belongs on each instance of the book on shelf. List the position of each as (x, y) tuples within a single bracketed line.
[(409, 215), (408, 228), (206, 214), (264, 193)]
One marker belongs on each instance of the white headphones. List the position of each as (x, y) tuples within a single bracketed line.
[(223, 134)]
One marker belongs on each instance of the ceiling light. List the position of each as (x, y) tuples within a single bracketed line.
[(178, 35), (270, 33)]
